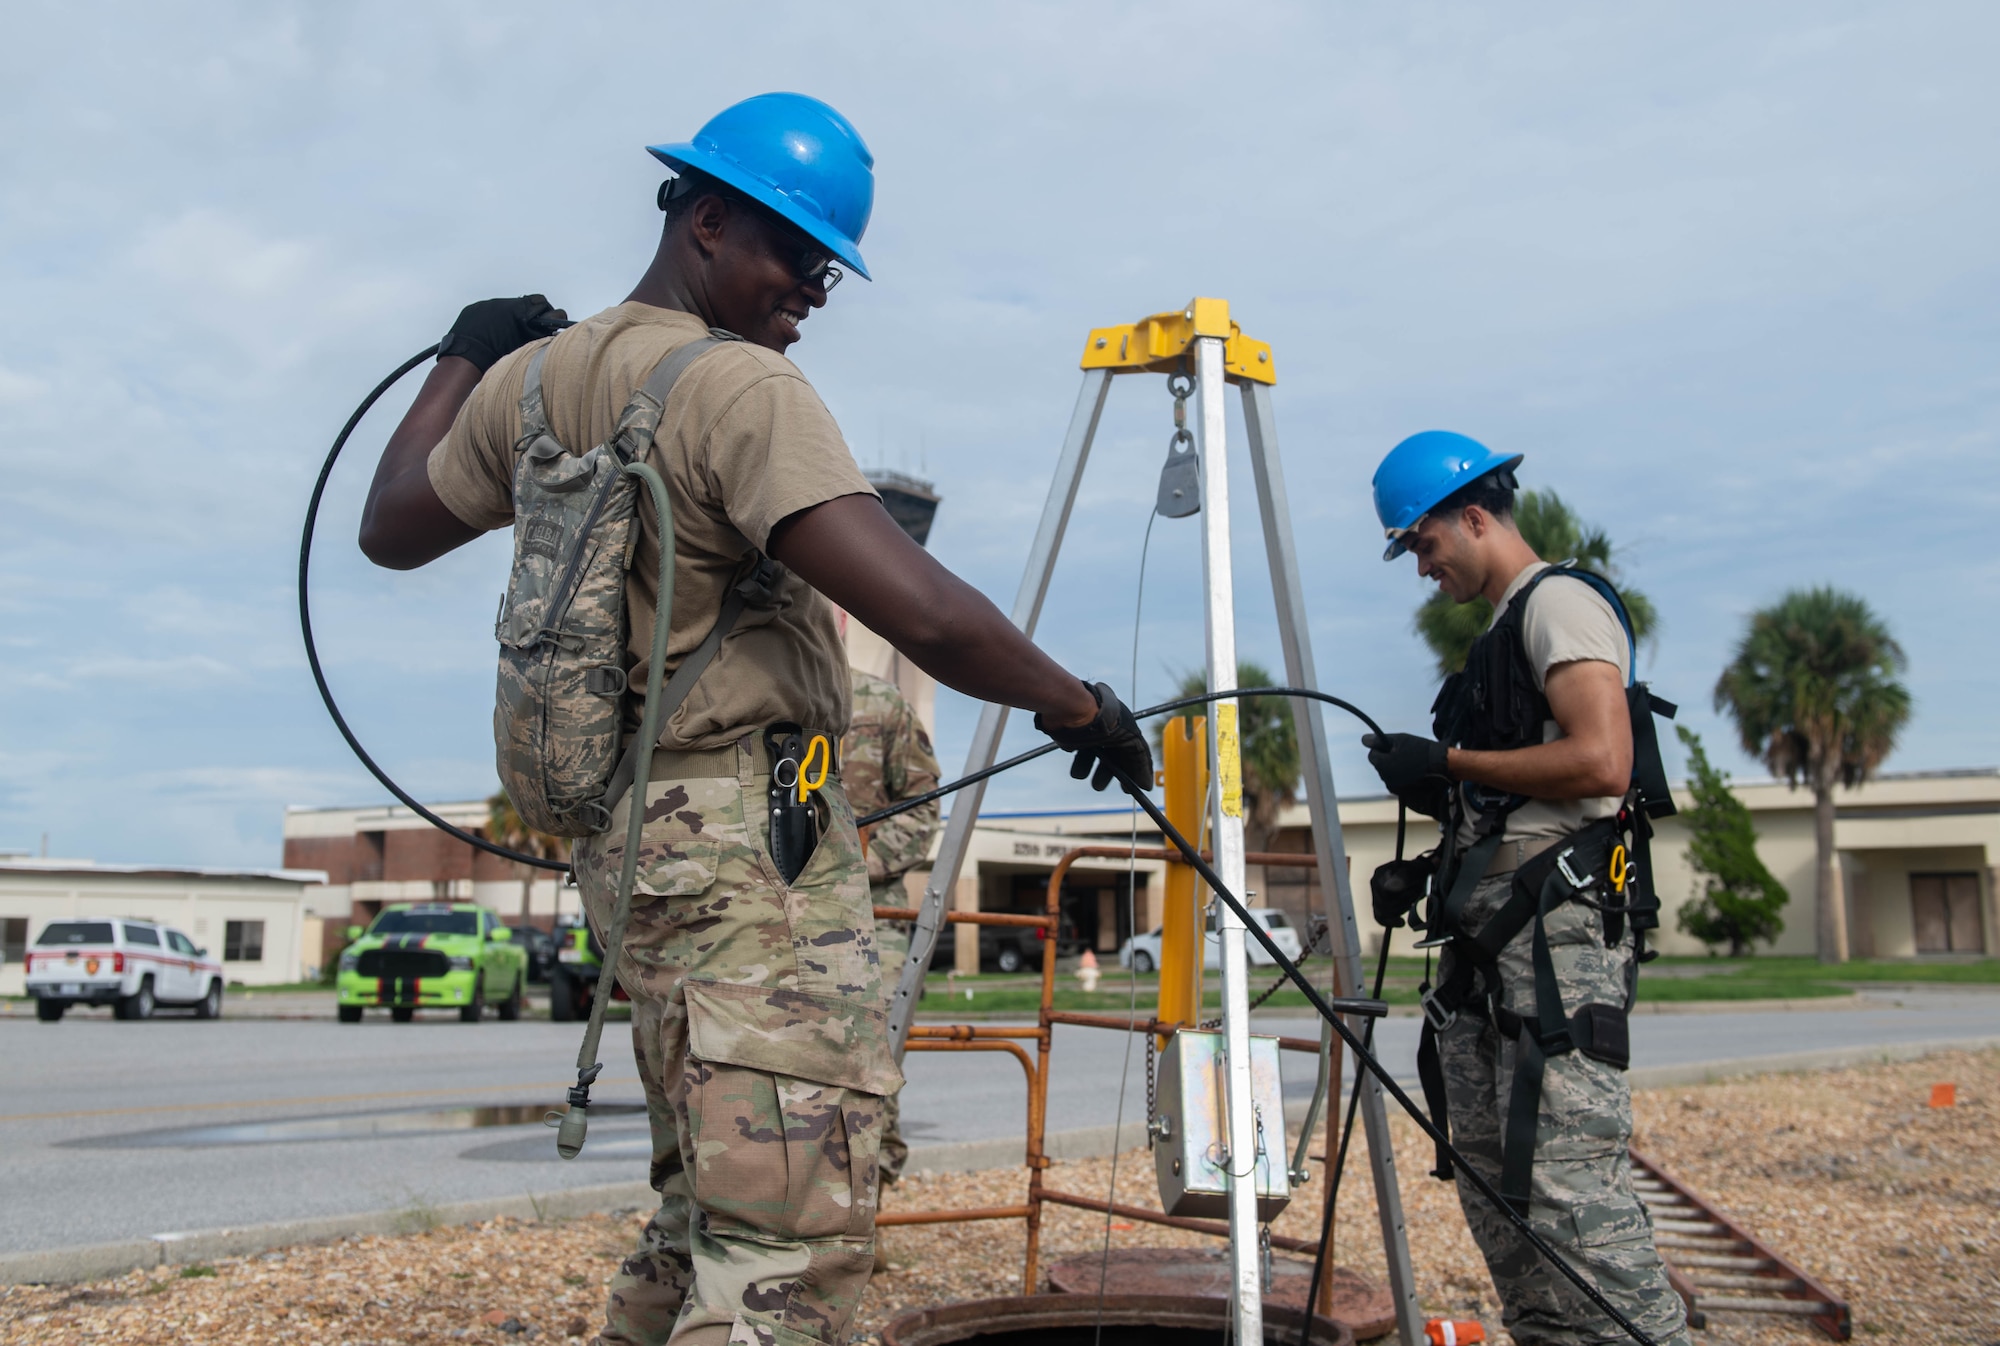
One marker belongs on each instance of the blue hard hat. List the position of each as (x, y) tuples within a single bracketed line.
[(795, 156), (1422, 470)]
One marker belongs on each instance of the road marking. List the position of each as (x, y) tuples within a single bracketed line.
[(559, 1085)]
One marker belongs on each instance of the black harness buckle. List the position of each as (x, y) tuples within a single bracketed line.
[(1439, 1017)]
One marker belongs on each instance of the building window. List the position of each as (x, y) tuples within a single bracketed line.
[(1945, 909), (13, 938), (242, 941)]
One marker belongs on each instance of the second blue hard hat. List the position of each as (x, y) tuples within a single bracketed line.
[(1421, 471), (795, 156)]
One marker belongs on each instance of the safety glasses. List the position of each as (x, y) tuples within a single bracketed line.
[(1402, 539)]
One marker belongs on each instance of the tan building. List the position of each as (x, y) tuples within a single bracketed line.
[(254, 920), (1916, 851)]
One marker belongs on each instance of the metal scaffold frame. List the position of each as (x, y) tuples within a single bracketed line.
[(1201, 343)]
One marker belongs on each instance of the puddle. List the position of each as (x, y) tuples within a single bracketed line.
[(351, 1126)]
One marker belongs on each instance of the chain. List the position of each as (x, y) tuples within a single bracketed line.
[(1152, 1104)]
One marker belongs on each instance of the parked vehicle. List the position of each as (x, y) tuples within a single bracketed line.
[(573, 979), (432, 955), (1142, 952), (134, 966), (540, 946)]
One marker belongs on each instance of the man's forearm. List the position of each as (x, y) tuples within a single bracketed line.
[(403, 522), (1565, 769)]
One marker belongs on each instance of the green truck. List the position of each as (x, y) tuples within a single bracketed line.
[(432, 955)]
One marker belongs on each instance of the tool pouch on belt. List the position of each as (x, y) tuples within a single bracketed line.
[(794, 824), (559, 710)]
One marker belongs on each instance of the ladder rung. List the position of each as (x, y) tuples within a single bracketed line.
[(1724, 1280), (1672, 1226), (1723, 1263), (1719, 1243), (1804, 1308)]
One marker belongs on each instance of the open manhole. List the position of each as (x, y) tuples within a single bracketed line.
[(1086, 1320), (351, 1126)]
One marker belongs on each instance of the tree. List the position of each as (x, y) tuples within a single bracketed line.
[(1269, 747), (504, 827), (1737, 899), (1552, 528), (1814, 694)]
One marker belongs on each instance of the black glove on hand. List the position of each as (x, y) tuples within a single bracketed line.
[(1112, 739), (1396, 888), (491, 328), (1413, 767)]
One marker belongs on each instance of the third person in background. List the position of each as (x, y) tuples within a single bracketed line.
[(886, 757)]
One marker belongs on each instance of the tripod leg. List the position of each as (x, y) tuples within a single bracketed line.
[(1295, 634), (1226, 833), (992, 718)]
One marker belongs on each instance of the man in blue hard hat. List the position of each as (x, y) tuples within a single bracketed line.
[(1534, 895), (759, 1013)]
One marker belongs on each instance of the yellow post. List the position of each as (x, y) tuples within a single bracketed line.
[(1186, 742)]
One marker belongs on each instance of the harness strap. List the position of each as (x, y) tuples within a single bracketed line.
[(534, 419), (755, 589)]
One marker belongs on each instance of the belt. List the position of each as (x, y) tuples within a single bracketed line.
[(709, 763), (1513, 854)]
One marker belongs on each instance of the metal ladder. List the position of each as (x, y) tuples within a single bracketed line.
[(1717, 1266)]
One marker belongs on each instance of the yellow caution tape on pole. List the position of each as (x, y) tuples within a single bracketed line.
[(1229, 759)]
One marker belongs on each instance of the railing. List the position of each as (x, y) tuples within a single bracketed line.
[(1002, 1038)]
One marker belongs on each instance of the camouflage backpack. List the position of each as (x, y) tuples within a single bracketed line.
[(559, 714)]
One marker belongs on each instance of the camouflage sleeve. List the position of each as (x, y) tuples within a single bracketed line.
[(909, 767)]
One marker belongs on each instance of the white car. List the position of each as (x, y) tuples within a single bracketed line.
[(1142, 952), (130, 965)]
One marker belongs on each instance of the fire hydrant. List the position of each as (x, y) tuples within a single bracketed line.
[(1086, 971)]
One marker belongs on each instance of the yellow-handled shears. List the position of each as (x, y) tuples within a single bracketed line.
[(824, 750), (1619, 867)]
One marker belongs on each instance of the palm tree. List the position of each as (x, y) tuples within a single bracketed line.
[(505, 827), (1269, 749), (1814, 694), (1552, 528)]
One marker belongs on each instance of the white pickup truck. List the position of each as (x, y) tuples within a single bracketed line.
[(131, 965), (1143, 951)]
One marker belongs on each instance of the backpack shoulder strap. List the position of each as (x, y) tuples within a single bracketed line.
[(1609, 593), (534, 420)]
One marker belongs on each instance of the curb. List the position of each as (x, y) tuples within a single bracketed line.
[(97, 1261)]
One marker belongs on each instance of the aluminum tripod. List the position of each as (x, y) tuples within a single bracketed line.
[(1201, 341)]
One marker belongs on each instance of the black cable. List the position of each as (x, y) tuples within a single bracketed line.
[(312, 651), (1331, 1010), (1346, 1134), (1164, 708)]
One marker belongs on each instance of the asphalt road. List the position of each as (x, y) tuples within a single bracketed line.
[(122, 1130)]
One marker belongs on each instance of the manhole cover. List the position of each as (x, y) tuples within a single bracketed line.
[(1357, 1301)]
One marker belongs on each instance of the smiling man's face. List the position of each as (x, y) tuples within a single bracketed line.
[(1447, 555), (753, 281)]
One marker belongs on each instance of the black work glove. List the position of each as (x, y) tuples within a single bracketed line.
[(1413, 767), (1396, 887), (491, 328), (1113, 739)]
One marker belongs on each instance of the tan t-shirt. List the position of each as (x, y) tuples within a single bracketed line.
[(1566, 621), (743, 443)]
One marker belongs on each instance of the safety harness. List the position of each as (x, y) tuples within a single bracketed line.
[(1494, 704)]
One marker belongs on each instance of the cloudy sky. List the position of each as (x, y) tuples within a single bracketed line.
[(1726, 274)]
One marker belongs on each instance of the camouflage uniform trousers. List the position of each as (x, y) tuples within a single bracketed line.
[(892, 938), (1582, 1200), (760, 1028)]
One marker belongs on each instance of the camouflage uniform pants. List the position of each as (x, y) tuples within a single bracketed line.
[(1582, 1198), (893, 939), (760, 1028)]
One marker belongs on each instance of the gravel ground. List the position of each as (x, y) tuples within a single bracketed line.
[(1850, 1173)]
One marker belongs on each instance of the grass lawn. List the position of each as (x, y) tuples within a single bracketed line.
[(1667, 979)]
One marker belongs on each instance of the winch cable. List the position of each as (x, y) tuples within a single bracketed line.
[(1331, 1010), (312, 650)]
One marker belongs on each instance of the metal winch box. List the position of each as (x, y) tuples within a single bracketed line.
[(1190, 1131)]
